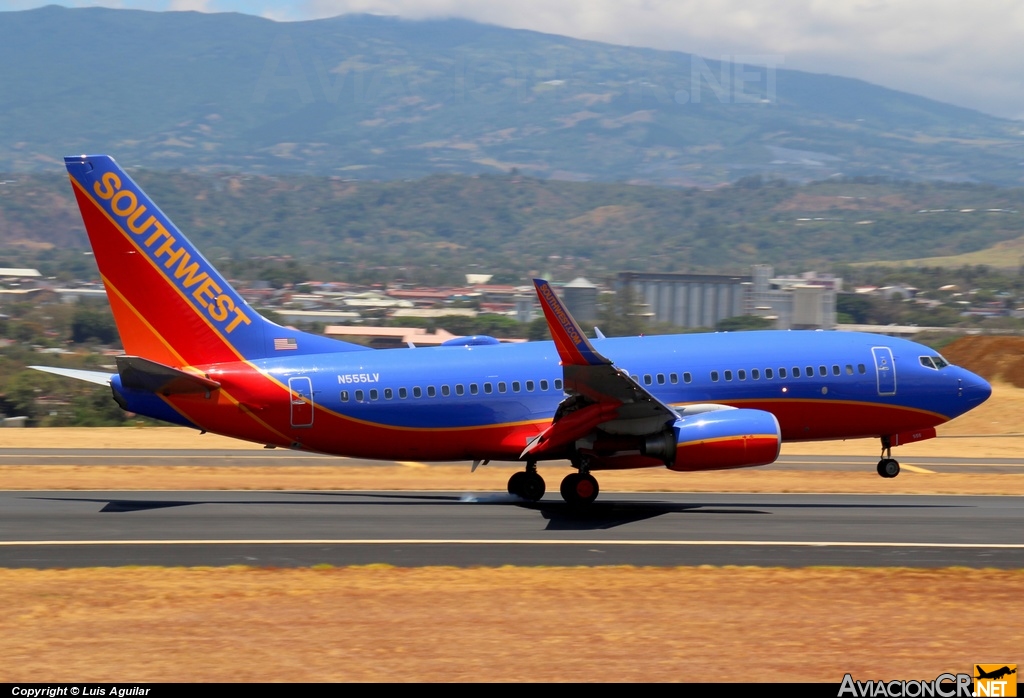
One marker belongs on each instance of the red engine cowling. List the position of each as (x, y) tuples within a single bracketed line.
[(726, 439), (715, 440)]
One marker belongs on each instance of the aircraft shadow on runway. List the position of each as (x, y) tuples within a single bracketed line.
[(559, 515)]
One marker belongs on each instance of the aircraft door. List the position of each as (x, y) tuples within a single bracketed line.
[(301, 398), (885, 369)]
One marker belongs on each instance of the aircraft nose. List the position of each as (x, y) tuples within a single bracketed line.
[(975, 389)]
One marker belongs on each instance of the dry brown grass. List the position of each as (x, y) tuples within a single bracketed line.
[(507, 624), (490, 479)]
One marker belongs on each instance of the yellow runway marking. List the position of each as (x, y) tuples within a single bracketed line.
[(916, 469)]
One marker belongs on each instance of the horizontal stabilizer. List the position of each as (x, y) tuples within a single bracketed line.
[(97, 377), (142, 374)]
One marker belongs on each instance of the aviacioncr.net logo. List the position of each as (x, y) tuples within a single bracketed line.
[(943, 686)]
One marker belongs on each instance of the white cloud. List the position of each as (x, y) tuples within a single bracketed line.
[(194, 5)]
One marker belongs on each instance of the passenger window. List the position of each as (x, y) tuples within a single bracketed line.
[(636, 379), (431, 392), (647, 379), (782, 373), (473, 390), (360, 396), (687, 378), (344, 396), (728, 375), (544, 385), (796, 371), (835, 369), (403, 393), (374, 395), (861, 369), (810, 372), (849, 370), (741, 374), (661, 378), (714, 376), (459, 389), (529, 386), (445, 390), (822, 371), (755, 374), (388, 393), (502, 387), (768, 374), (516, 386), (417, 391), (673, 378), (558, 384), (488, 389)]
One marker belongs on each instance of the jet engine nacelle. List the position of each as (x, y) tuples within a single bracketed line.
[(724, 439)]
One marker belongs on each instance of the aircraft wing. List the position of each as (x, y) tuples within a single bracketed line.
[(600, 395)]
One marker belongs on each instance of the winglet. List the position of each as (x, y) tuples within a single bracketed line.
[(573, 346)]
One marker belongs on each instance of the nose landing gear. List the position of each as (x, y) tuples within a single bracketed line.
[(888, 467)]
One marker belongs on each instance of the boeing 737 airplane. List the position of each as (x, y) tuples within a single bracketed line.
[(198, 355)]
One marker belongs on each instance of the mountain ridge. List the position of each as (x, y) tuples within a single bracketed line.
[(372, 97)]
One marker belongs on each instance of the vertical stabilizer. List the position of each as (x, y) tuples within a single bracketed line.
[(170, 304)]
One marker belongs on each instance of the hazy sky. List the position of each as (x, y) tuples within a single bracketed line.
[(966, 53)]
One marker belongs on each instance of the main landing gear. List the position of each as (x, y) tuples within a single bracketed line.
[(888, 466), (527, 484), (577, 489)]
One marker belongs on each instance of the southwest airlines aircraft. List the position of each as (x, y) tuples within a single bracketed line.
[(198, 355)]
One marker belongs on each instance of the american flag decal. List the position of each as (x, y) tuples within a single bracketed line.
[(281, 344)]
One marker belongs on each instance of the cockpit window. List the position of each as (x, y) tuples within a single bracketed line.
[(934, 361)]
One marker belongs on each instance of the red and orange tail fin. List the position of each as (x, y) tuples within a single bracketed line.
[(170, 304)]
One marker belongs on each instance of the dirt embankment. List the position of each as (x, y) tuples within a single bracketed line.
[(996, 359)]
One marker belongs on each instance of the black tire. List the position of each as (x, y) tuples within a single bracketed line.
[(892, 468), (516, 482), (532, 488), (568, 487), (579, 489)]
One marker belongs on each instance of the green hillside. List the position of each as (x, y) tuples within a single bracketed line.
[(514, 226)]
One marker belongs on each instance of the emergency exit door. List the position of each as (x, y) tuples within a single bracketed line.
[(301, 388)]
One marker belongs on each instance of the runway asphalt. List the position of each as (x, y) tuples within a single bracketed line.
[(284, 529), (286, 458)]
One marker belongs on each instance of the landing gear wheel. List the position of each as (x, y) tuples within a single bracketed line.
[(515, 483), (579, 489), (532, 487), (888, 467)]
